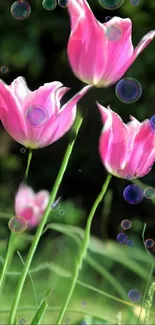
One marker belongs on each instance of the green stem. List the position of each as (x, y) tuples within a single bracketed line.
[(83, 250), (42, 223), (28, 164), (8, 258)]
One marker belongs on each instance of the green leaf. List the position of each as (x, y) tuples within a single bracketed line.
[(41, 310)]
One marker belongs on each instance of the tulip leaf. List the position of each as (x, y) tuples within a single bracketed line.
[(41, 310)]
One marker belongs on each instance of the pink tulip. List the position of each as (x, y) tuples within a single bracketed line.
[(29, 205), (100, 53), (35, 118), (126, 149)]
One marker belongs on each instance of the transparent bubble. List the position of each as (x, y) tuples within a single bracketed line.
[(67, 320), (84, 303), (128, 90), (149, 193), (122, 238), (22, 321), (126, 224), (20, 9), (55, 206), (22, 150), (113, 33), (36, 116), (128, 176), (79, 170), (152, 123), (129, 242), (63, 3), (17, 224), (49, 4), (134, 295), (133, 194), (111, 4), (83, 323), (149, 243), (61, 212), (108, 18), (4, 69), (134, 2)]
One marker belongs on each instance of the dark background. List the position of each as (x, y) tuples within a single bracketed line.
[(36, 49)]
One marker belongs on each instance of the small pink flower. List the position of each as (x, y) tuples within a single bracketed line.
[(35, 118), (29, 205), (126, 149), (100, 53)]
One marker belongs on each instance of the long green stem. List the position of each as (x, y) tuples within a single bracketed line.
[(8, 258), (83, 250), (42, 223), (28, 164)]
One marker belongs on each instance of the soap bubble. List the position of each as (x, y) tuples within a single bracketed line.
[(149, 192), (128, 90), (134, 295), (22, 321), (67, 320), (4, 69), (17, 224), (79, 170), (22, 150), (129, 242), (61, 212), (56, 205), (134, 2), (84, 303), (133, 194), (49, 4), (36, 116), (152, 123), (128, 176), (83, 323), (20, 9), (63, 3), (108, 18), (122, 238), (149, 243), (126, 224), (113, 33), (111, 4)]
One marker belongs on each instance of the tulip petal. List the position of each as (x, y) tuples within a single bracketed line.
[(31, 214), (10, 113), (143, 43), (23, 195), (113, 139), (41, 199), (20, 89)]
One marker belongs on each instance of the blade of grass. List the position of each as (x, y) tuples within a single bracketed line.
[(41, 310)]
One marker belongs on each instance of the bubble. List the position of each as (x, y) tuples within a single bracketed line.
[(83, 323), (126, 224), (55, 206), (149, 193), (113, 33), (133, 194), (17, 224), (22, 150), (84, 303), (134, 2), (22, 321), (61, 212), (149, 243), (20, 9), (111, 4), (108, 18), (79, 170), (134, 295), (36, 116), (152, 123), (67, 320), (49, 4), (122, 238), (129, 242), (63, 3), (128, 90), (128, 176), (4, 69)]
